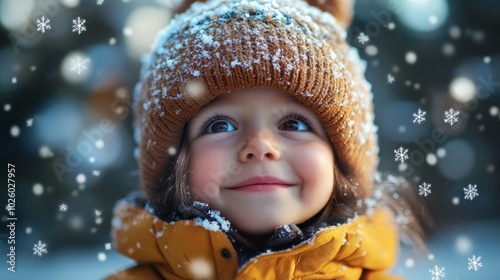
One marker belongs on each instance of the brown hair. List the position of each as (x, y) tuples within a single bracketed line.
[(393, 193)]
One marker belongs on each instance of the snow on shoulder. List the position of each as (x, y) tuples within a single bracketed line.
[(214, 221)]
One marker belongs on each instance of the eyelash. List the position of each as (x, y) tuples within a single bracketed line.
[(300, 117), (292, 115), (215, 117)]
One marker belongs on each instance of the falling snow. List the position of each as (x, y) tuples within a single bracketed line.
[(98, 213), (424, 189), (471, 192), (401, 154), (42, 24), (437, 272), (99, 2), (81, 178), (419, 116), (79, 65), (101, 257), (475, 263), (14, 80), (63, 207), (79, 25), (390, 79), (450, 116), (39, 249), (363, 38), (29, 122), (96, 172), (201, 269), (107, 246)]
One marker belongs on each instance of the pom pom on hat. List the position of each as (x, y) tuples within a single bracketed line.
[(219, 46)]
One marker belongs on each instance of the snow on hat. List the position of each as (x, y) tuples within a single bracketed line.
[(218, 46)]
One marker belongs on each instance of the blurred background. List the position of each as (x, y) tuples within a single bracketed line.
[(67, 73)]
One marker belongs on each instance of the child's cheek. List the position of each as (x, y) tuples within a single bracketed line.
[(315, 164), (205, 176)]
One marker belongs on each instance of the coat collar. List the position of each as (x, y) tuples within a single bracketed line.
[(187, 247)]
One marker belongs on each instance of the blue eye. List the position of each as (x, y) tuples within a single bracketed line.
[(218, 125), (295, 123)]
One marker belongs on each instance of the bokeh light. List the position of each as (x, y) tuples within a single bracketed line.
[(45, 152), (105, 156), (411, 57), (76, 67), (448, 49), (459, 161), (59, 121), (143, 24), (70, 3), (455, 32), (462, 89), (81, 178), (15, 13), (101, 257), (463, 244), (424, 15), (15, 131), (37, 189), (371, 50)]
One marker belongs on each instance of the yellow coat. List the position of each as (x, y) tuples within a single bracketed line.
[(361, 249)]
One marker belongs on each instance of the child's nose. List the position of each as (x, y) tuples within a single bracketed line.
[(258, 147)]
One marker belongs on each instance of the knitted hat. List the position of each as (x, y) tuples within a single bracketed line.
[(219, 46)]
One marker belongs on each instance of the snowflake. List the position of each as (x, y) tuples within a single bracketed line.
[(96, 172), (98, 213), (14, 80), (470, 192), (107, 246), (29, 122), (437, 272), (78, 25), (39, 248), (401, 154), (42, 24), (475, 263), (99, 2), (63, 207), (79, 65), (424, 189), (450, 116), (363, 38), (419, 116), (390, 78)]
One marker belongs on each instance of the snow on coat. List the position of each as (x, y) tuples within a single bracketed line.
[(362, 249)]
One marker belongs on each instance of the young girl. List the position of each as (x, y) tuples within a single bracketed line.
[(258, 151)]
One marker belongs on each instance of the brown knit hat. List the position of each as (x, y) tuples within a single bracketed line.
[(219, 46)]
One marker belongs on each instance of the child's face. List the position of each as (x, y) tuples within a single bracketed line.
[(261, 158)]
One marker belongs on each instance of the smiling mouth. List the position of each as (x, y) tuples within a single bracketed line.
[(261, 184), (260, 188)]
